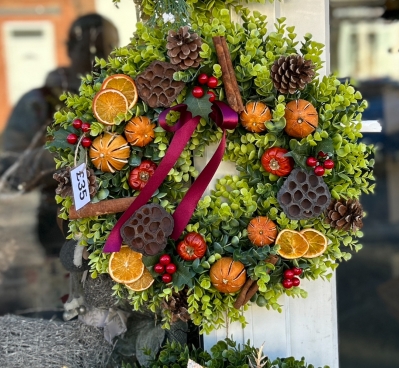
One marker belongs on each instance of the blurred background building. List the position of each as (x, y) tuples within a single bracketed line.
[(364, 38)]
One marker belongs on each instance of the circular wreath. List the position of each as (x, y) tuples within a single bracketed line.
[(253, 236)]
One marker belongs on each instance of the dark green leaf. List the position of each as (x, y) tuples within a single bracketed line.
[(198, 106)]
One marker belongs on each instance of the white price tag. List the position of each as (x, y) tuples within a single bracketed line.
[(80, 186)]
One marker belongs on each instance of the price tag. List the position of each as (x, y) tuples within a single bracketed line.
[(80, 186)]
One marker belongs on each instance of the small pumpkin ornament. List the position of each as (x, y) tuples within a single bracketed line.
[(262, 231), (140, 175), (254, 116), (301, 118), (275, 162), (228, 275), (193, 246), (139, 131), (109, 152)]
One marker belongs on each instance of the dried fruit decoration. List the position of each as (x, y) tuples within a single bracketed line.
[(227, 275), (109, 152), (261, 231), (275, 161), (139, 131), (140, 175), (301, 118), (254, 116), (193, 246)]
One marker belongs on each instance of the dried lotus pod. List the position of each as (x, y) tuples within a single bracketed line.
[(147, 230), (303, 195), (139, 131), (156, 86), (109, 152)]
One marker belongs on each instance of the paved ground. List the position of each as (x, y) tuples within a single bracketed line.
[(29, 281)]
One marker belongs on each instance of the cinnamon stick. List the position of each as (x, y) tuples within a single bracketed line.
[(232, 90), (250, 288), (105, 207)]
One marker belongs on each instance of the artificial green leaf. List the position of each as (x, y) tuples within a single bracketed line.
[(198, 106), (326, 146)]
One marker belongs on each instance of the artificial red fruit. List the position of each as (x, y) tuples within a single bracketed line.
[(171, 268), (85, 127), (328, 164), (140, 175), (319, 170), (296, 281), (322, 154), (287, 283), (77, 123), (72, 138), (198, 92), (159, 268), (86, 142), (212, 96), (288, 274), (203, 78), (297, 271), (311, 161), (274, 161), (165, 259), (212, 82), (166, 278), (193, 246)]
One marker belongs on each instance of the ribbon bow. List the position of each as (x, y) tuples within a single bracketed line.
[(225, 118)]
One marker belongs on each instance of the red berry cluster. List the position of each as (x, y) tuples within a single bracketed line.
[(84, 127), (211, 82), (290, 278), (166, 268), (320, 163)]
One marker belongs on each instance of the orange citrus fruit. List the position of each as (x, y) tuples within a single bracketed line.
[(143, 283), (107, 104), (317, 243), (126, 265), (292, 244), (124, 84)]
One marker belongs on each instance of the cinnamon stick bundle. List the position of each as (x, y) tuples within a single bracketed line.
[(106, 207), (232, 90), (251, 287)]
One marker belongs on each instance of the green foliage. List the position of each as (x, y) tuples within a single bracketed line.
[(223, 215), (224, 354)]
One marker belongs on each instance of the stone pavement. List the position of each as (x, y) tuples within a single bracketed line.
[(30, 282)]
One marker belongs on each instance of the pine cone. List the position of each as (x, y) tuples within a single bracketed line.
[(183, 48), (64, 188), (345, 214), (290, 73), (178, 306)]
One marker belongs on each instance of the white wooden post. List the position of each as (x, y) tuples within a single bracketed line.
[(306, 327)]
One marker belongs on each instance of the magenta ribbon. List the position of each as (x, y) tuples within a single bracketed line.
[(226, 118)]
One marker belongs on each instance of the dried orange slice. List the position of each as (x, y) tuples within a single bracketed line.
[(126, 265), (107, 104), (317, 243), (124, 84), (292, 244), (143, 283)]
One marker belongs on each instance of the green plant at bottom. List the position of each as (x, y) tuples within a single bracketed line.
[(224, 354)]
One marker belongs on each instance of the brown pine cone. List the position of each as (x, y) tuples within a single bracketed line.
[(183, 48), (291, 73), (64, 188), (178, 306), (345, 214)]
